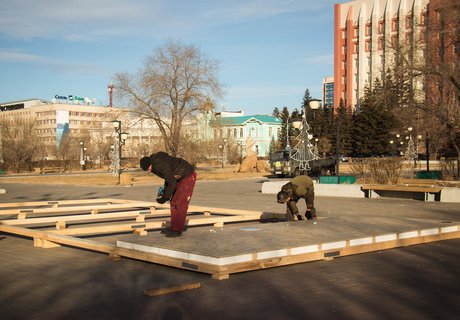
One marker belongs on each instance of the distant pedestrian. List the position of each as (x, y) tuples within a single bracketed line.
[(291, 192), (180, 177)]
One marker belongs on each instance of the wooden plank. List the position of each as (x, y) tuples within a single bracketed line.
[(78, 208), (58, 238), (61, 202), (84, 217), (163, 291), (131, 226)]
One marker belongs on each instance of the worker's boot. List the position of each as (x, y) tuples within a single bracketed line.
[(173, 233)]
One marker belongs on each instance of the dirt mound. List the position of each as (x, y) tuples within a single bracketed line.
[(251, 164)]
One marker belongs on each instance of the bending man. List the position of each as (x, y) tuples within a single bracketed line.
[(291, 192), (180, 177)]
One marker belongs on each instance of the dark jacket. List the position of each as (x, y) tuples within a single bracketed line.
[(166, 167), (300, 187)]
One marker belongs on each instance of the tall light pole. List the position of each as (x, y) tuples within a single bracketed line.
[(222, 147), (122, 136), (110, 88), (82, 155)]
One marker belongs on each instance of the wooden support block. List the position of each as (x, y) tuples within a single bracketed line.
[(163, 291), (114, 256), (207, 213), (94, 211), (140, 218), (21, 215), (218, 225), (42, 243), (53, 204), (140, 232), (61, 224), (220, 276)]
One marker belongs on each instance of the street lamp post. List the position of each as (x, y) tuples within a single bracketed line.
[(82, 155), (110, 88), (427, 146), (240, 149), (122, 136), (222, 147)]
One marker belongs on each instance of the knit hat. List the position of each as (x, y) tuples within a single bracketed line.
[(282, 196), (145, 163)]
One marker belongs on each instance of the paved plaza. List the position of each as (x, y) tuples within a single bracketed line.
[(417, 282)]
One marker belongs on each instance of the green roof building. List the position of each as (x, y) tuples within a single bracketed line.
[(255, 131)]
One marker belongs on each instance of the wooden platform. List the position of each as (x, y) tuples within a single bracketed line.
[(217, 241)]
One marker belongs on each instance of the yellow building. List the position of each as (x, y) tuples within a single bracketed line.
[(53, 121)]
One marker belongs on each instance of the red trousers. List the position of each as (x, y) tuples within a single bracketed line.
[(180, 202)]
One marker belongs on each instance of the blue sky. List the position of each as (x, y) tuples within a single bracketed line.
[(269, 51)]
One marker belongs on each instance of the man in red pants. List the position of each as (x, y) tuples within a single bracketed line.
[(180, 177)]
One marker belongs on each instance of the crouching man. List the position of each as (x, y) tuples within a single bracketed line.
[(291, 192)]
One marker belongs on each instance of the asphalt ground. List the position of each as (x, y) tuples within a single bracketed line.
[(417, 282)]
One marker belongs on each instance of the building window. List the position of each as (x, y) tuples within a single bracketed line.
[(355, 47), (368, 29), (394, 41), (241, 132), (355, 32), (423, 18), (381, 43), (408, 39), (409, 21), (270, 131), (381, 27), (368, 45), (394, 24)]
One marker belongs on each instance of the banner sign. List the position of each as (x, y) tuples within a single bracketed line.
[(62, 126), (74, 99)]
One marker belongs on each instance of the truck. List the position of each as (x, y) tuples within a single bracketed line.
[(282, 164)]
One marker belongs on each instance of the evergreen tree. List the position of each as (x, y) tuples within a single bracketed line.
[(373, 122), (284, 116), (343, 123)]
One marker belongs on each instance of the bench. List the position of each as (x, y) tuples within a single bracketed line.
[(51, 169), (425, 193)]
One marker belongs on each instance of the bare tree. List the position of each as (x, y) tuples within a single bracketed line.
[(428, 74), (20, 143), (173, 84)]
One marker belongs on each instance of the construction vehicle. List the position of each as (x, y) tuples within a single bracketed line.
[(282, 164)]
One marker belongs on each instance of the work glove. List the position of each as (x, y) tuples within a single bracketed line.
[(161, 200), (310, 213)]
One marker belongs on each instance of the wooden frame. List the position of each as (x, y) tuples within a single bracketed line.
[(55, 228)]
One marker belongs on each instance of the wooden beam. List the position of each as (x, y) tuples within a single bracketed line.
[(78, 208), (85, 217), (163, 291), (60, 202)]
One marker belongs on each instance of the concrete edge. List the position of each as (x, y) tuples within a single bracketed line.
[(448, 194), (324, 190)]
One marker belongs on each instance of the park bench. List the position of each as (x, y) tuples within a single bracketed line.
[(51, 169), (425, 193)]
